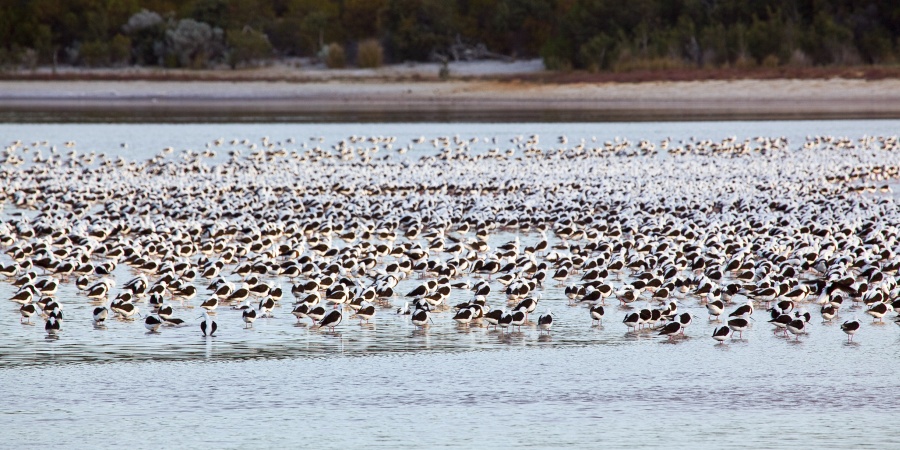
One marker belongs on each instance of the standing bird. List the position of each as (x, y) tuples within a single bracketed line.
[(249, 315), (685, 319), (721, 334), (52, 326), (208, 326), (878, 310), (300, 311), (851, 327), (715, 309), (211, 304), (597, 313), (671, 329), (780, 320), (152, 323), (518, 318), (743, 309), (27, 310), (738, 324), (797, 327), (631, 320), (366, 312), (332, 319), (420, 318), (101, 313), (505, 320), (493, 316), (545, 322), (464, 316), (829, 312)]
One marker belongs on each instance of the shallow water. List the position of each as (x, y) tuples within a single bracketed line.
[(282, 384)]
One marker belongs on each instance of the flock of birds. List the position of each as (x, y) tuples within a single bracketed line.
[(649, 231)]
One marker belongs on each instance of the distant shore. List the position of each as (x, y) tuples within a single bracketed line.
[(485, 95)]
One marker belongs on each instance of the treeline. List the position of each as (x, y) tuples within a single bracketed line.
[(581, 34)]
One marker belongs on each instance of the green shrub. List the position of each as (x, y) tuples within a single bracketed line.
[(247, 46), (94, 53), (120, 50)]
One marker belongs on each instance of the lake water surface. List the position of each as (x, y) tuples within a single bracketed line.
[(386, 384)]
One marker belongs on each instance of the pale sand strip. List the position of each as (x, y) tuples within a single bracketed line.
[(758, 97)]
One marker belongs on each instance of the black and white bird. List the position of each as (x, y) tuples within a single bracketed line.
[(26, 311), (685, 319), (420, 318), (165, 311), (746, 308), (829, 312), (739, 324), (878, 310), (780, 321), (493, 316), (152, 323), (671, 329), (851, 327), (316, 314), (715, 309), (210, 304), (365, 312), (208, 326), (249, 315), (505, 321), (332, 319), (126, 310), (518, 318), (464, 316), (721, 334), (632, 320), (266, 306), (52, 326), (797, 327), (597, 313), (300, 311), (545, 322)]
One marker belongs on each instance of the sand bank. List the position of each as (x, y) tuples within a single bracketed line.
[(727, 99)]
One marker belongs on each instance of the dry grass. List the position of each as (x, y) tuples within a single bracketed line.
[(336, 57), (369, 54)]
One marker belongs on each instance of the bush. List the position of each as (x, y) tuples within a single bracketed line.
[(247, 46), (369, 54), (335, 57), (194, 44), (94, 54), (597, 53), (146, 30), (120, 50), (770, 61), (557, 54)]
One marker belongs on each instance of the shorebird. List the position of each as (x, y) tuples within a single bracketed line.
[(207, 325), (152, 323), (332, 319), (545, 321), (851, 327)]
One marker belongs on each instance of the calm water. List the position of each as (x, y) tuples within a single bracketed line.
[(281, 384)]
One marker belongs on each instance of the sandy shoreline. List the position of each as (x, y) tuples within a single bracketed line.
[(833, 98)]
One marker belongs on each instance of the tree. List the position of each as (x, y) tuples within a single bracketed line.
[(247, 46)]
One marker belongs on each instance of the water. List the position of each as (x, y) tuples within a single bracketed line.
[(386, 384)]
